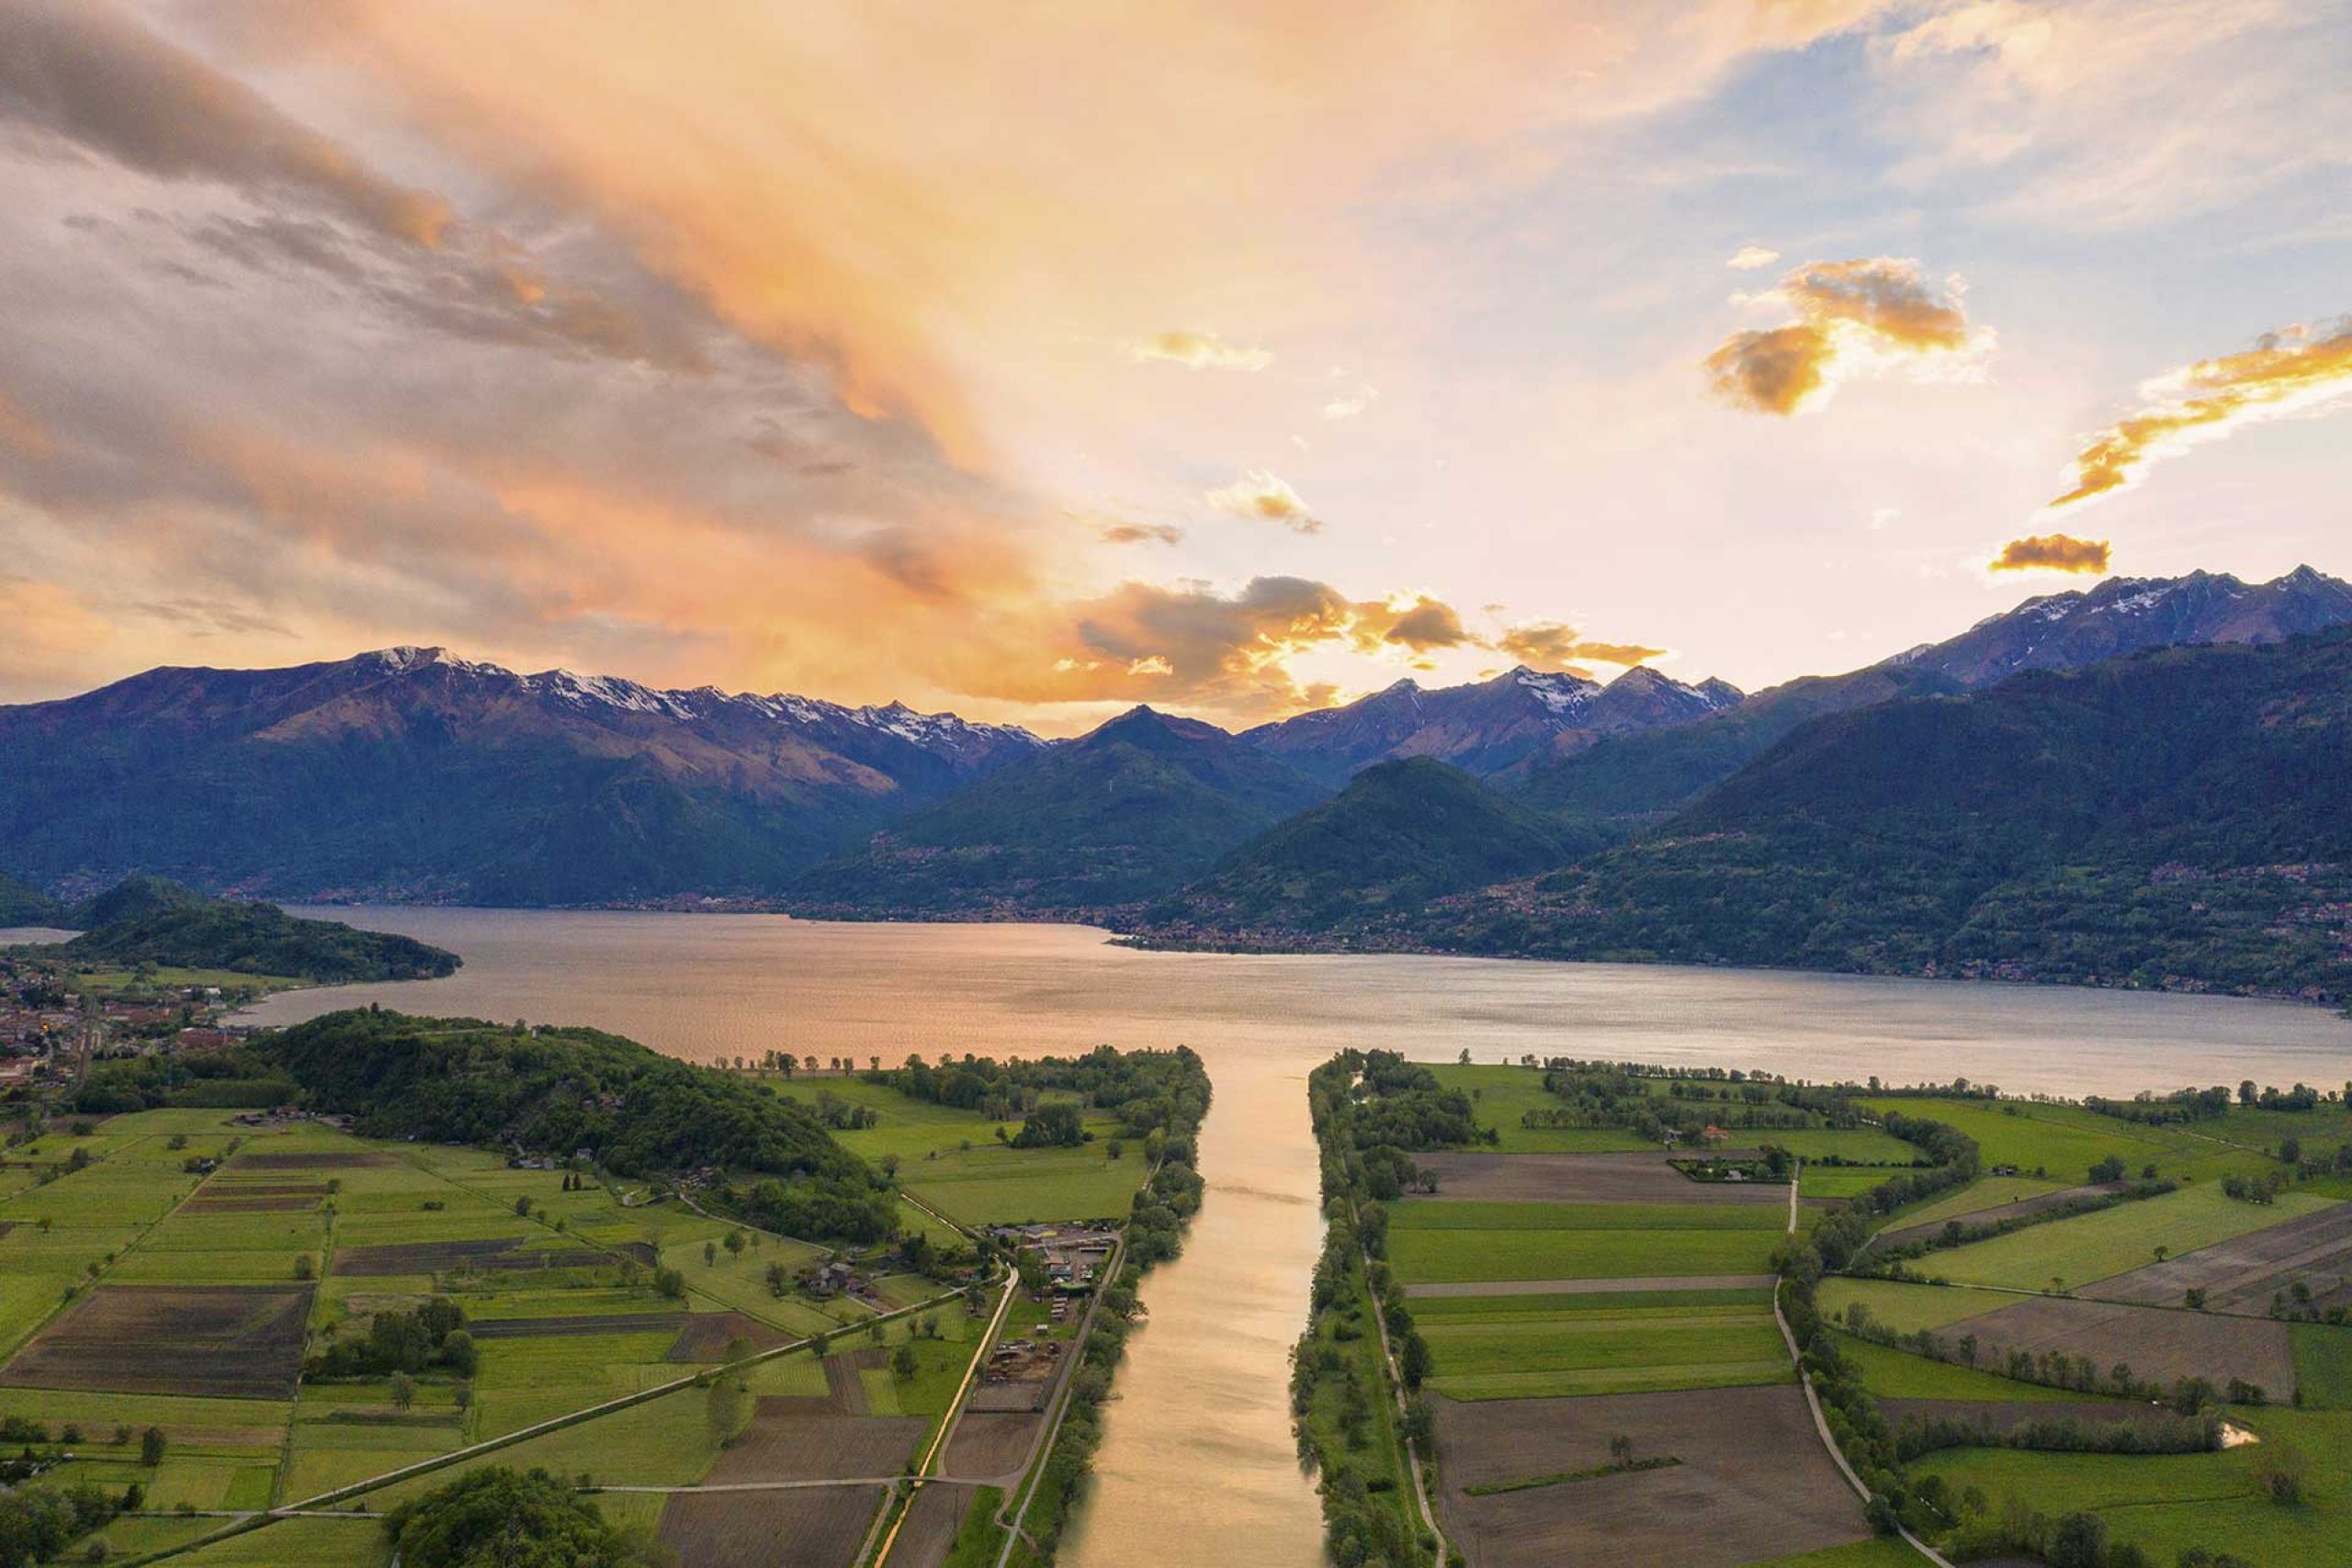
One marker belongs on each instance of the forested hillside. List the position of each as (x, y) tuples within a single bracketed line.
[(2182, 817)]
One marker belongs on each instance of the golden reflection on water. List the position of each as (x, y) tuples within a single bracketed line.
[(1197, 1464)]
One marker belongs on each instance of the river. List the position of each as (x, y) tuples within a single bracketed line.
[(1197, 1464)]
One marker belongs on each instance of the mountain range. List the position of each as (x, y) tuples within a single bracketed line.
[(412, 774), (2180, 818), (1633, 779)]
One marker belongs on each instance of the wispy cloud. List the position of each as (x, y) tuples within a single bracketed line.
[(1350, 404), (2299, 369), (1261, 495), (1747, 258), (1854, 318), (2054, 552), (1201, 351)]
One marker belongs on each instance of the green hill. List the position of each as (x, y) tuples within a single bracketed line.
[(22, 904), (1402, 833), (135, 898), (2180, 818), (1129, 813), (156, 922)]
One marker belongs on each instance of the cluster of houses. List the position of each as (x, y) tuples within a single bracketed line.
[(1074, 1255), (44, 1041), (281, 1116)]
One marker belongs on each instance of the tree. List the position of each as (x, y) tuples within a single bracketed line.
[(735, 1243), (1465, 1055), (725, 1407), (671, 1283), (903, 1365), (2078, 1540), (1620, 1451), (522, 1206), (779, 1281), (499, 1517), (2246, 1092), (461, 1395), (151, 1444), (303, 1268), (403, 1389), (709, 1253), (1031, 1266)]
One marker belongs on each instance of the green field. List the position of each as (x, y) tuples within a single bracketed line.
[(1838, 1181), (1508, 1352), (1908, 1308), (126, 1214), (2095, 1246), (2323, 1365), (2165, 1503), (953, 1161), (2061, 1142), (1898, 1374), (1501, 1095), (1985, 1193), (1445, 1256)]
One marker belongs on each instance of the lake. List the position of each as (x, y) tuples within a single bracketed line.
[(1205, 1392)]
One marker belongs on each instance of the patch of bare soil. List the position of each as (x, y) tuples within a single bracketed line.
[(240, 1340), (988, 1446), (1579, 1178), (2243, 1273), (1754, 1483), (2155, 1343), (819, 1528), (787, 1441)]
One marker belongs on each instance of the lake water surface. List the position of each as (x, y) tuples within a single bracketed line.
[(1197, 1464)]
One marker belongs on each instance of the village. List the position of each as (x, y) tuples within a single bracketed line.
[(54, 1021)]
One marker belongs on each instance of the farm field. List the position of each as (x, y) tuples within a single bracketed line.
[(2056, 1142), (1908, 1308), (1503, 1095), (1618, 1178), (1748, 1480), (1877, 1552), (2091, 1248), (955, 1161), (2166, 1503), (1984, 1192), (1449, 1255), (186, 1264), (1526, 1347), (1897, 1375)]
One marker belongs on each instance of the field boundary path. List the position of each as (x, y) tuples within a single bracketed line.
[(955, 1418), (1813, 1401), (1412, 1454)]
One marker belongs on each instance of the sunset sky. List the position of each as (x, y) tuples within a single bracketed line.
[(1035, 360)]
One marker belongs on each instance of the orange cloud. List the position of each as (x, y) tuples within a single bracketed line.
[(2054, 552), (1854, 318), (1201, 351), (1551, 645), (2290, 371), (1259, 494), (943, 226), (1142, 534), (1420, 624)]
